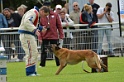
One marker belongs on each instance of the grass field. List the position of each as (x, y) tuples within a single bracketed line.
[(72, 73)]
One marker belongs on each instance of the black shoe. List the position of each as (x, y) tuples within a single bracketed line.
[(41, 65), (111, 55), (57, 65)]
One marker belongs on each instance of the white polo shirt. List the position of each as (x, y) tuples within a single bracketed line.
[(104, 19)]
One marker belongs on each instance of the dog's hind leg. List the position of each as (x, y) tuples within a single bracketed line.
[(62, 65), (93, 63), (98, 63)]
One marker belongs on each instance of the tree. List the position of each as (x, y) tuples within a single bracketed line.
[(29, 3), (17, 3)]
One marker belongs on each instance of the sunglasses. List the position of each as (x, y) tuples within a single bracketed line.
[(62, 14), (75, 5)]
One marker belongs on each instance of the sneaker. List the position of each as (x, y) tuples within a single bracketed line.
[(111, 55), (41, 66), (32, 75), (19, 60)]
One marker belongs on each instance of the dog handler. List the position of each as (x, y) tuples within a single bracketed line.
[(28, 29)]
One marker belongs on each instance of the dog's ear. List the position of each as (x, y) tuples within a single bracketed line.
[(57, 48), (58, 44)]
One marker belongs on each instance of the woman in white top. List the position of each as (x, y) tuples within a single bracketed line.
[(67, 24), (65, 20)]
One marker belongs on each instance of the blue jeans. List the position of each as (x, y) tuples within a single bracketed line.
[(101, 33), (94, 42)]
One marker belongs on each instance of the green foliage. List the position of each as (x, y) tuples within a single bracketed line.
[(30, 3), (17, 3), (71, 73)]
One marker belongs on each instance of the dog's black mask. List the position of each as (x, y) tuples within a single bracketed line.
[(57, 46)]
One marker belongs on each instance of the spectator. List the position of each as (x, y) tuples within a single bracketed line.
[(94, 32), (67, 7), (53, 34), (65, 10), (24, 7), (13, 20), (20, 11), (87, 18), (3, 21), (66, 23), (58, 9), (75, 14), (94, 8), (105, 15), (11, 9), (65, 20), (28, 29), (3, 24)]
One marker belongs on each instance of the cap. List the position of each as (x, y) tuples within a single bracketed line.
[(109, 4), (58, 6)]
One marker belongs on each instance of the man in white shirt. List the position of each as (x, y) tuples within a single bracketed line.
[(105, 15)]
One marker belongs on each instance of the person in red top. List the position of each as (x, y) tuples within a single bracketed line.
[(53, 34)]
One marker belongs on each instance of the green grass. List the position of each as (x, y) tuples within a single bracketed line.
[(72, 73)]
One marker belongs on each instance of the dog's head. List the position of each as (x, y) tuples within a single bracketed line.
[(55, 47)]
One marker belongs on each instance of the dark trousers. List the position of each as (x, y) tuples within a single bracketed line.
[(44, 51)]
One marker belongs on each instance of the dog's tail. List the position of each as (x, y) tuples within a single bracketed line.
[(84, 69)]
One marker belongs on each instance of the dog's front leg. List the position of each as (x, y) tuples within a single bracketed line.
[(62, 65)]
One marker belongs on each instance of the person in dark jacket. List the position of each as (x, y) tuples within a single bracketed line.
[(95, 7), (88, 18), (53, 34), (13, 19)]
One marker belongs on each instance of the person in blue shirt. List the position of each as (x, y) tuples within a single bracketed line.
[(13, 20), (3, 24)]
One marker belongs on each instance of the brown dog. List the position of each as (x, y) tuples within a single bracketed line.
[(72, 57)]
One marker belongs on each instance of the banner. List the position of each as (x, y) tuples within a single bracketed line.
[(121, 3)]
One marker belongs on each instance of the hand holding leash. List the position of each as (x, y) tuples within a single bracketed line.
[(61, 43), (44, 29)]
